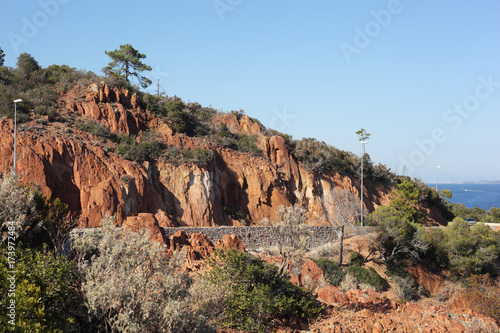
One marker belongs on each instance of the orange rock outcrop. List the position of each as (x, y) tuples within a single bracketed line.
[(85, 173)]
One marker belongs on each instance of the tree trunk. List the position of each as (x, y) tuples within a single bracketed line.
[(341, 250)]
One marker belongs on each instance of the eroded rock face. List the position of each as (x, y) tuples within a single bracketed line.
[(368, 311), (84, 173), (198, 247)]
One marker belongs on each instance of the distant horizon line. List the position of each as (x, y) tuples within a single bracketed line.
[(465, 182)]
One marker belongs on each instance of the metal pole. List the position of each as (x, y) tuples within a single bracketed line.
[(15, 135), (362, 190), (437, 168)]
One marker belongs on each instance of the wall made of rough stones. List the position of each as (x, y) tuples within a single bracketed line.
[(251, 237), (256, 237)]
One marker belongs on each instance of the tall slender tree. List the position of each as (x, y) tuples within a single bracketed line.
[(363, 135), (27, 65), (2, 57), (126, 63)]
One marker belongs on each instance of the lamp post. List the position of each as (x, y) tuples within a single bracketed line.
[(437, 168), (362, 159), (15, 133)]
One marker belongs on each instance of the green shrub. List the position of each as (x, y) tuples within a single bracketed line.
[(257, 294), (196, 156), (332, 272), (470, 250), (356, 259), (367, 275), (320, 157), (247, 143), (99, 130), (47, 292), (147, 149)]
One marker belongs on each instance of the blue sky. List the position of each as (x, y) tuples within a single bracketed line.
[(422, 77)]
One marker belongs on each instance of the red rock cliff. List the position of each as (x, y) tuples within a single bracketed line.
[(83, 172)]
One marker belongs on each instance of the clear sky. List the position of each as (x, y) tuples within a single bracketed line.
[(423, 77)]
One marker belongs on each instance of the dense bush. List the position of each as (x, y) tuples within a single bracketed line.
[(191, 119), (132, 285), (400, 237), (487, 216), (148, 148), (333, 273), (364, 275), (356, 259), (466, 250), (37, 87), (47, 292), (98, 130), (247, 143), (320, 157), (257, 294)]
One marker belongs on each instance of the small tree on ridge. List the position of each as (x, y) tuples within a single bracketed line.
[(126, 62)]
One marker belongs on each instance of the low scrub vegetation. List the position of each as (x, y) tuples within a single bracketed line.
[(481, 295), (352, 276), (130, 284), (257, 293)]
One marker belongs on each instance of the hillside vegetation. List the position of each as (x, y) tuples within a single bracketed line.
[(125, 281)]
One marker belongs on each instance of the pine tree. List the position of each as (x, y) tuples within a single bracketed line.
[(126, 62)]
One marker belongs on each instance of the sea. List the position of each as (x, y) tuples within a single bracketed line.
[(482, 196)]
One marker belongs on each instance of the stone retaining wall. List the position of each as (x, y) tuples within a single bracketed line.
[(252, 237), (255, 237)]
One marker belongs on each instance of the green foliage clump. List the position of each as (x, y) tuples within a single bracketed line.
[(364, 275), (191, 119), (198, 156), (27, 65), (2, 57), (407, 198), (332, 272), (37, 87), (47, 291), (320, 157), (147, 149), (400, 237), (126, 63), (257, 293), (356, 259), (247, 143), (98, 130), (467, 250), (487, 216), (367, 275)]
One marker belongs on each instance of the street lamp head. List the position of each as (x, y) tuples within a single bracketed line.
[(438, 166), (18, 101), (363, 142)]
